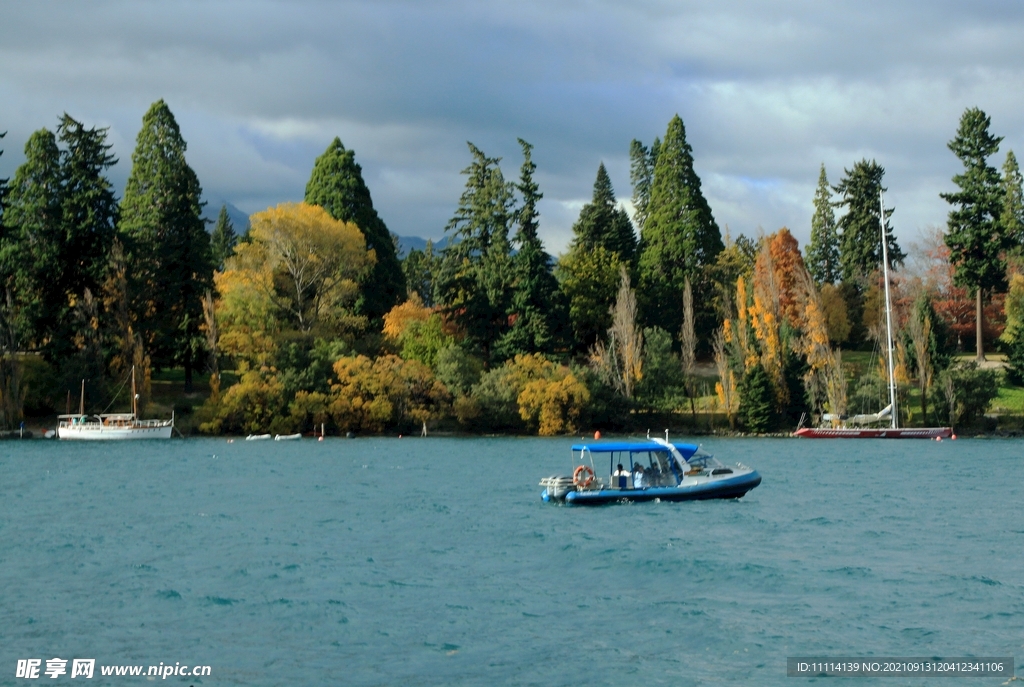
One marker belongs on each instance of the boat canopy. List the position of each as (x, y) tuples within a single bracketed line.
[(686, 450)]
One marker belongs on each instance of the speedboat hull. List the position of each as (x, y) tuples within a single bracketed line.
[(724, 488)]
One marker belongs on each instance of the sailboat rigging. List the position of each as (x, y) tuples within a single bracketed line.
[(112, 425), (894, 431)]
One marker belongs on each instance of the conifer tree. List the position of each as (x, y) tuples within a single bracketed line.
[(162, 224), (641, 175), (223, 239), (88, 205), (860, 243), (823, 250), (601, 223), (60, 218), (975, 236), (1012, 216), (33, 238), (757, 400), (680, 237), (419, 267), (472, 284), (336, 184), (537, 313)]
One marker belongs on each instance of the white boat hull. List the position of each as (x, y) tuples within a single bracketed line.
[(97, 432)]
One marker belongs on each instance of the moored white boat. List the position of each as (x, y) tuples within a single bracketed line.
[(646, 470), (287, 437), (842, 427), (258, 437), (111, 426)]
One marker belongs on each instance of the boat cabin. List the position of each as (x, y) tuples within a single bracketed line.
[(632, 464)]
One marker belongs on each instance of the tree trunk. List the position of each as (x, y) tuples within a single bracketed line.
[(979, 314), (188, 372)]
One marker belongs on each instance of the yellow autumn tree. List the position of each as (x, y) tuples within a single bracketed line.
[(373, 395), (553, 403), (308, 261), (397, 320)]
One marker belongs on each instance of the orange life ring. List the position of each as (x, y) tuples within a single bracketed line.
[(583, 476)]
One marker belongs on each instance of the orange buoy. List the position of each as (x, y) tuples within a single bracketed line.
[(953, 437), (597, 434)]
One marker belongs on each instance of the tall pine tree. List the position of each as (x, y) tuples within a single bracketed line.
[(641, 175), (223, 239), (860, 243), (537, 314), (33, 239), (823, 250), (336, 184), (679, 240), (472, 283), (975, 236), (601, 223), (1012, 216), (163, 228), (88, 204)]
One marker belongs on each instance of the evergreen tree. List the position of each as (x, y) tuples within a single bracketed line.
[(472, 284), (590, 282), (3, 191), (641, 175), (537, 314), (823, 250), (679, 240), (32, 245), (223, 239), (1012, 216), (860, 243), (162, 225), (601, 223), (88, 205), (976, 238), (419, 267), (757, 400), (336, 184)]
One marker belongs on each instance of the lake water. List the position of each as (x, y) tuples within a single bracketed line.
[(434, 562)]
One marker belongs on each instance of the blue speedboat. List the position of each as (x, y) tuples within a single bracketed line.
[(646, 470)]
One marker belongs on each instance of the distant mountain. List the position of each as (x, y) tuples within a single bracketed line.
[(408, 243), (239, 219)]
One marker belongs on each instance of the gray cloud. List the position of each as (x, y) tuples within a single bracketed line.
[(768, 92)]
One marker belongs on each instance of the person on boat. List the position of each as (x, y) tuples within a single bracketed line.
[(638, 476), (621, 476)]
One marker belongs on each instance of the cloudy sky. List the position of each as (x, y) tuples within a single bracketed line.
[(768, 91)]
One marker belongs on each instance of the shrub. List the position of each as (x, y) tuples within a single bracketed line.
[(962, 393), (252, 406), (373, 395)]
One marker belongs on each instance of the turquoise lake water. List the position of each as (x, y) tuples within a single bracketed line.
[(434, 562)]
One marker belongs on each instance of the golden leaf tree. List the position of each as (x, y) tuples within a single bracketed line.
[(313, 259)]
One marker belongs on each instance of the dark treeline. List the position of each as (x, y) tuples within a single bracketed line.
[(314, 319)]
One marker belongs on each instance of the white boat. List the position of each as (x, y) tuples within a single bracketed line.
[(852, 427), (287, 437), (258, 437), (646, 470), (112, 426)]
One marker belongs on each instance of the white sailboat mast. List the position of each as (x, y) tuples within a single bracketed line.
[(888, 316)]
